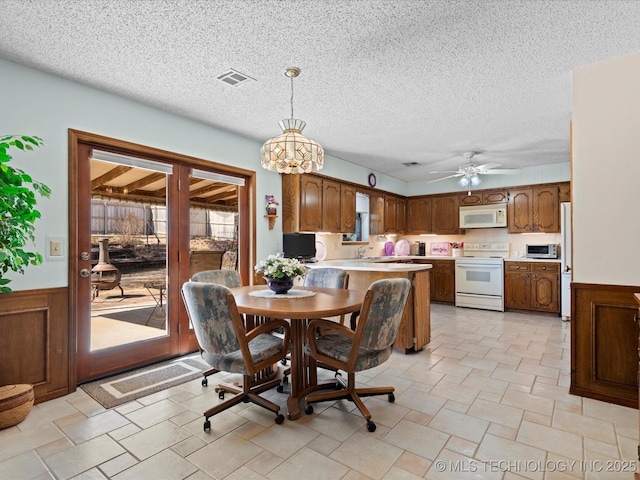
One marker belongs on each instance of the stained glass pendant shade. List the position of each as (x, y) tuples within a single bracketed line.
[(291, 152)]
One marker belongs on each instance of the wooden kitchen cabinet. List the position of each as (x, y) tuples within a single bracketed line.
[(347, 209), (331, 211), (401, 215), (445, 218), (312, 203), (484, 197), (535, 209), (390, 202), (394, 214), (443, 281), (532, 286), (418, 215), (376, 213)]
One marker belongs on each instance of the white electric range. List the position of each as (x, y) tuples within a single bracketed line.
[(480, 276)]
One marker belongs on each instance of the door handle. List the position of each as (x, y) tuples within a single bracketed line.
[(85, 272), (85, 256)]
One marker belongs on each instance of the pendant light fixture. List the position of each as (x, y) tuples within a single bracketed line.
[(291, 152)]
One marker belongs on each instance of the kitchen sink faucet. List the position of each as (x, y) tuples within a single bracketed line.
[(362, 249)]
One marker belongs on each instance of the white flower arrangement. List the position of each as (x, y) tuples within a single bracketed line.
[(275, 266)]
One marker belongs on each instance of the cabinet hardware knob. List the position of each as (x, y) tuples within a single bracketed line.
[(635, 318)]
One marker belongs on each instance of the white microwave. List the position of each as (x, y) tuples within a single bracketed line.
[(484, 216)]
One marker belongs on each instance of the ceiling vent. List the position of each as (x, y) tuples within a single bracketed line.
[(411, 164), (234, 78)]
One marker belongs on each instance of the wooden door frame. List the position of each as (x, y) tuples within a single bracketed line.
[(246, 208)]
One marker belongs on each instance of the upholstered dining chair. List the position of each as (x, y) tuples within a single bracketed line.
[(327, 277), (324, 277), (227, 346), (228, 278), (368, 346)]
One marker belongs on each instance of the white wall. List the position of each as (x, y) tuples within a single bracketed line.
[(606, 169), (36, 103)]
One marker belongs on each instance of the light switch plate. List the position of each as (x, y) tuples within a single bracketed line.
[(55, 249)]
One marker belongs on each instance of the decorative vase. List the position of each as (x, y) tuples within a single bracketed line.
[(456, 252), (280, 285)]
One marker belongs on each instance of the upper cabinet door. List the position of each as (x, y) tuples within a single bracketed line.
[(418, 215), (445, 216), (347, 209), (520, 211), (310, 203), (546, 209), (330, 206)]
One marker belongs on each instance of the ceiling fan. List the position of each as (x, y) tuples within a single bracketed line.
[(469, 173)]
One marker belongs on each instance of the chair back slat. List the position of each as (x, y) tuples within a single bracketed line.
[(382, 321)]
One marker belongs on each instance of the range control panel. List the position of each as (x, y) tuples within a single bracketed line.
[(483, 249)]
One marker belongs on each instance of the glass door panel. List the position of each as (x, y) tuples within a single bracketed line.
[(128, 249)]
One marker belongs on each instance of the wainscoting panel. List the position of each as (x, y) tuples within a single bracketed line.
[(604, 343), (34, 341)]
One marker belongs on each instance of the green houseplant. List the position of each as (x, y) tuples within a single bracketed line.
[(17, 209)]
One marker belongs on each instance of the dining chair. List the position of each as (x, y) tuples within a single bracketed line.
[(366, 347), (227, 346), (228, 278), (327, 277), (324, 277)]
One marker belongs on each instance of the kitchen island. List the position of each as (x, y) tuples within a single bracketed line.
[(415, 329)]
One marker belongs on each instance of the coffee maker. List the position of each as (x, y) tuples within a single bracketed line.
[(421, 249)]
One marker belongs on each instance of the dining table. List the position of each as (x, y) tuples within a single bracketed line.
[(299, 305)]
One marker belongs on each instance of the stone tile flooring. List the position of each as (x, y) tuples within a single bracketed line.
[(488, 398)]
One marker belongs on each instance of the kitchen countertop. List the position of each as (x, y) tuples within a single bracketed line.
[(373, 264)]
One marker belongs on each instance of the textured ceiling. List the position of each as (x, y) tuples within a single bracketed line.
[(383, 82)]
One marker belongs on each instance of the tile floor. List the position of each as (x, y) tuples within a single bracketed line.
[(488, 398)]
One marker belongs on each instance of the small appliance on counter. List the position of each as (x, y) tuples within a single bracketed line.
[(548, 250), (418, 249)]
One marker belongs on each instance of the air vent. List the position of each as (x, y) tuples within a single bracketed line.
[(234, 78), (411, 164)]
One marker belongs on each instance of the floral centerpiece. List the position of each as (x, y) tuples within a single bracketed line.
[(272, 204), (280, 272)]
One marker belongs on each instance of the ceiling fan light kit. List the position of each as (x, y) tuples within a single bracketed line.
[(291, 152)]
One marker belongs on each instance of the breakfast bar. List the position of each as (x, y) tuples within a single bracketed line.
[(415, 329)]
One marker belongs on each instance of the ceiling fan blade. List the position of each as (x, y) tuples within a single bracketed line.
[(444, 178), (488, 166), (445, 171), (502, 171)]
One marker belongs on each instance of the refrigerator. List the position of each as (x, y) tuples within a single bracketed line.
[(565, 260)]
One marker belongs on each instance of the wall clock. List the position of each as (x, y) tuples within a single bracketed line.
[(372, 179)]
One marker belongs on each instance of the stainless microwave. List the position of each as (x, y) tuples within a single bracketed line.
[(548, 250)]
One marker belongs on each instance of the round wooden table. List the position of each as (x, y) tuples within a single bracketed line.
[(327, 302)]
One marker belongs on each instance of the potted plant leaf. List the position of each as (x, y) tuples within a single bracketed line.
[(17, 209)]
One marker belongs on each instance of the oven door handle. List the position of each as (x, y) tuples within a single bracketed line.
[(481, 265)]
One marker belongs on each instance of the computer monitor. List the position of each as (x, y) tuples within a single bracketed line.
[(299, 245)]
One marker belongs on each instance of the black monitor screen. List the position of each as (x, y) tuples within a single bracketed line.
[(299, 245)]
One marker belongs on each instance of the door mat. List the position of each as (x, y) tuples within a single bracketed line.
[(126, 387)]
